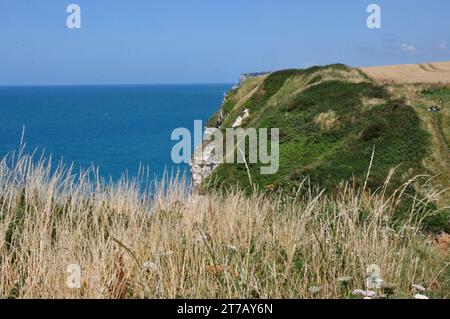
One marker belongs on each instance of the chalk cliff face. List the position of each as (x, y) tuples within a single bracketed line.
[(238, 122), (203, 161)]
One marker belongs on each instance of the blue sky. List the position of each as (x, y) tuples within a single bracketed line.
[(209, 41)]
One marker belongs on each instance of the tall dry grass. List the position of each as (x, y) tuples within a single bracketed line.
[(174, 243)]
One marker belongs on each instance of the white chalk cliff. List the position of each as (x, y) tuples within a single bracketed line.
[(203, 162)]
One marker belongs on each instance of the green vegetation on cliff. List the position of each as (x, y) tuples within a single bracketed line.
[(330, 119)]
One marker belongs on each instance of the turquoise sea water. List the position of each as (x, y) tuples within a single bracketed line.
[(116, 128)]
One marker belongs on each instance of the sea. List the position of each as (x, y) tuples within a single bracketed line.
[(117, 129)]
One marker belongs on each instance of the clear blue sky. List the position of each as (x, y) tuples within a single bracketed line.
[(209, 41)]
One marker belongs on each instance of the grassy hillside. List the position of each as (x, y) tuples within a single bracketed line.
[(331, 119)]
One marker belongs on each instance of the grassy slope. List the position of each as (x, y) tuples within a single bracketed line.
[(439, 124), (437, 161), (329, 156), (367, 115)]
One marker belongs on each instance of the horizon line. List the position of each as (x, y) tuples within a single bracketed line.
[(115, 84)]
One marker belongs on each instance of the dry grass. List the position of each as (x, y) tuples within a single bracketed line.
[(247, 89), (327, 121), (291, 87), (177, 244), (352, 75), (370, 103)]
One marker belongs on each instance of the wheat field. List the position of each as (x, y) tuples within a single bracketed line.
[(435, 72), (169, 242)]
